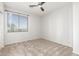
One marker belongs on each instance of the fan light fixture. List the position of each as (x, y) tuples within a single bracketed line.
[(38, 5)]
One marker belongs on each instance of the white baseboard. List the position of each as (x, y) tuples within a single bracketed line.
[(76, 52), (7, 43), (65, 44)]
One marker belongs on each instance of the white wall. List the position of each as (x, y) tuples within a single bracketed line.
[(57, 26), (1, 25), (33, 31), (76, 28)]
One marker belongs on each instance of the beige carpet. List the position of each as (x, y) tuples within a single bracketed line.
[(38, 47)]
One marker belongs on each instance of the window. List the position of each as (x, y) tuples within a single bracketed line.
[(16, 23)]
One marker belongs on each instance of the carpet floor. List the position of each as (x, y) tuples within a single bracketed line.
[(38, 47)]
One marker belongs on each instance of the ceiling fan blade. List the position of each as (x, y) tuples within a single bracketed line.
[(33, 5), (42, 9), (41, 3)]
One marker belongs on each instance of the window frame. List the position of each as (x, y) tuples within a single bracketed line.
[(18, 14)]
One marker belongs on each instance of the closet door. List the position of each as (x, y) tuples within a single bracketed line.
[(1, 26)]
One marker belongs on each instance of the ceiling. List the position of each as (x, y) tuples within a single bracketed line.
[(24, 6)]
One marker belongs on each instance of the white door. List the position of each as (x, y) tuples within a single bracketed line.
[(1, 26)]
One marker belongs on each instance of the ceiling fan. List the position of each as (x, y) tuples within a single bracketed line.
[(38, 5)]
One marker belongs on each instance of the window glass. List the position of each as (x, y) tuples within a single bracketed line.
[(22, 23), (14, 23)]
